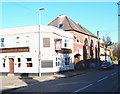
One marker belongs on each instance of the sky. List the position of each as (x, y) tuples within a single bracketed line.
[(95, 16)]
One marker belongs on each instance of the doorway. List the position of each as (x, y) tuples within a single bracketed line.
[(11, 65)]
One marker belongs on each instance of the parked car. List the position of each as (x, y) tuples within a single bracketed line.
[(107, 65)]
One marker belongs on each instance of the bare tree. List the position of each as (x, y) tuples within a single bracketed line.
[(116, 50), (106, 42)]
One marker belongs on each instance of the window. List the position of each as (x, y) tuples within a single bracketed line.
[(3, 65), (60, 26), (46, 42), (67, 61), (78, 40), (19, 64), (58, 61), (29, 65), (2, 42), (29, 62), (27, 40), (66, 43), (19, 60), (47, 63), (29, 59), (17, 40), (4, 62), (17, 37), (2, 39)]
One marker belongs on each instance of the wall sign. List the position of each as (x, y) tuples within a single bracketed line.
[(13, 50), (58, 44)]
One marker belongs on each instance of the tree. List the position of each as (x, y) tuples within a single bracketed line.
[(116, 50), (106, 42)]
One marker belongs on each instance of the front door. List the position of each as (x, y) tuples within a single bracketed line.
[(11, 65)]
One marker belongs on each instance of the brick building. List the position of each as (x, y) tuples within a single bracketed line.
[(85, 42)]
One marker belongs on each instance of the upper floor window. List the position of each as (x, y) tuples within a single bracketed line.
[(17, 37), (66, 43), (2, 39), (2, 42), (60, 26), (46, 42), (17, 40), (78, 40), (27, 40)]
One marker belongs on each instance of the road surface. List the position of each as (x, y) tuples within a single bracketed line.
[(93, 81)]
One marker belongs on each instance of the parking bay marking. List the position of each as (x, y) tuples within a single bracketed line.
[(82, 88), (102, 79)]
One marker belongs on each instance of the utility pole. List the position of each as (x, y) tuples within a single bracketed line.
[(98, 46), (39, 42)]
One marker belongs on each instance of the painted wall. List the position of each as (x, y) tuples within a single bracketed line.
[(28, 37)]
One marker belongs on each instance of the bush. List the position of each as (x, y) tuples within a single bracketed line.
[(114, 58)]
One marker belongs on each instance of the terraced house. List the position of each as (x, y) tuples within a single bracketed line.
[(86, 44)]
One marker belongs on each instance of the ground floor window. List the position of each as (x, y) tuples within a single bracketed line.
[(29, 62), (19, 60), (19, 64), (58, 61), (67, 60), (3, 65), (46, 63), (4, 62)]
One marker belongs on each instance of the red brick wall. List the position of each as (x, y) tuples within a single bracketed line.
[(81, 37)]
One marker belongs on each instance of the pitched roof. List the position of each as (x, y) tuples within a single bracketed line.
[(69, 25)]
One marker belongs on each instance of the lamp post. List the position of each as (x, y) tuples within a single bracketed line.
[(98, 45), (39, 42)]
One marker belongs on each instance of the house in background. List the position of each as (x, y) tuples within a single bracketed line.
[(108, 52), (19, 48), (86, 44)]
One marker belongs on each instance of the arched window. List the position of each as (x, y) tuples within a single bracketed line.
[(78, 40), (86, 42)]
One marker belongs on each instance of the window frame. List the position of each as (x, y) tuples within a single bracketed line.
[(46, 44)]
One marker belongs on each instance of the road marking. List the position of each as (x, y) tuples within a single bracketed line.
[(113, 74), (102, 79), (82, 88), (71, 83)]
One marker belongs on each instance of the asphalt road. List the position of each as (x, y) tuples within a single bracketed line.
[(93, 81)]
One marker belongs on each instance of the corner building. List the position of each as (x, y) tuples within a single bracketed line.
[(19, 48)]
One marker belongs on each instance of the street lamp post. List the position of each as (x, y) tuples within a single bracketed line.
[(39, 48), (98, 45)]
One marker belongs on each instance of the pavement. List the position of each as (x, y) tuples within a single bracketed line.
[(14, 82)]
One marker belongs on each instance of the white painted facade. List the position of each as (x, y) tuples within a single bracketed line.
[(28, 37)]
